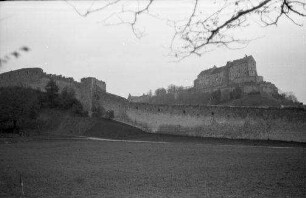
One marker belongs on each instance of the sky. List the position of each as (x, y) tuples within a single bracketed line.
[(63, 42)]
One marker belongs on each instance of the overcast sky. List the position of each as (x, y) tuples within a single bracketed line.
[(62, 42)]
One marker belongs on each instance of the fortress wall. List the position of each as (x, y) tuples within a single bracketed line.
[(268, 88), (250, 88), (111, 102), (191, 120), (216, 121), (37, 79), (33, 77), (21, 77), (244, 79)]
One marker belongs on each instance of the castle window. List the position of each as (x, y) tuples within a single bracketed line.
[(158, 109), (184, 111)]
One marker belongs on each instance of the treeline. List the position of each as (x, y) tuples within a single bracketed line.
[(20, 106), (180, 95)]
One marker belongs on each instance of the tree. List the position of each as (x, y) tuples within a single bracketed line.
[(160, 92), (202, 30), (236, 93), (172, 89), (18, 105), (110, 114), (52, 93), (215, 97), (67, 98), (67, 101), (291, 97), (150, 93), (285, 97), (98, 111)]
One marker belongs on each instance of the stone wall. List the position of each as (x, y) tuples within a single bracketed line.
[(216, 121), (190, 120), (235, 73), (36, 78)]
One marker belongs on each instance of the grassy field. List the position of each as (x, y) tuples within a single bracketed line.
[(86, 168)]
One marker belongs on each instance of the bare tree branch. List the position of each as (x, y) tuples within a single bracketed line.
[(201, 30)]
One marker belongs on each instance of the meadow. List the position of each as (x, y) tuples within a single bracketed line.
[(77, 167)]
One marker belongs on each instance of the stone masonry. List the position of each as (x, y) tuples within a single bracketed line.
[(238, 73)]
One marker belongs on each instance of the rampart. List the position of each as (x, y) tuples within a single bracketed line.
[(190, 120), (217, 121), (36, 78)]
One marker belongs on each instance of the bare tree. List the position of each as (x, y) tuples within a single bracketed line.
[(203, 30)]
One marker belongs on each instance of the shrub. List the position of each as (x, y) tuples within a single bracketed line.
[(215, 97), (18, 106), (52, 93), (77, 108), (236, 93), (110, 114), (98, 112), (67, 98), (254, 93)]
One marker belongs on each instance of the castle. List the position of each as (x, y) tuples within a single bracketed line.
[(238, 73), (36, 78), (191, 120)]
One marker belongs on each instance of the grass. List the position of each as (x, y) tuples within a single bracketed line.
[(53, 165), (85, 168)]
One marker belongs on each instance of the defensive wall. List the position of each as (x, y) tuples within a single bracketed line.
[(190, 120), (216, 121), (240, 73), (36, 78)]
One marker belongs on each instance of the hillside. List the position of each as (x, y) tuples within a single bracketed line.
[(259, 101), (254, 100)]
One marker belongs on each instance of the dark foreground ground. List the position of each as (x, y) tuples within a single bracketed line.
[(55, 166)]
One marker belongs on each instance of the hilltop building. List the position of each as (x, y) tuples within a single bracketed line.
[(234, 72), (238, 73)]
